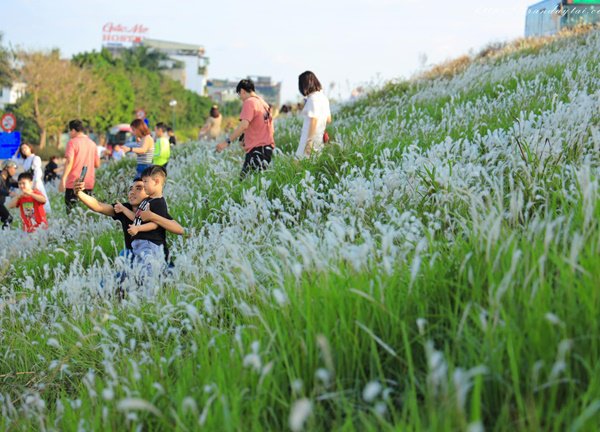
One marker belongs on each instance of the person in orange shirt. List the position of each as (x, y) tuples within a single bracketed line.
[(256, 123), (81, 152), (31, 204)]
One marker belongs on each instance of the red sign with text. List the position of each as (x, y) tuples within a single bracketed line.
[(119, 34)]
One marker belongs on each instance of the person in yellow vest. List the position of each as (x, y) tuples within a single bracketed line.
[(162, 147)]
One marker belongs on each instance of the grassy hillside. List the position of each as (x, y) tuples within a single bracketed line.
[(435, 269)]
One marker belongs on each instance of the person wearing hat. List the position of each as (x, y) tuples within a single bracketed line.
[(9, 169), (212, 128)]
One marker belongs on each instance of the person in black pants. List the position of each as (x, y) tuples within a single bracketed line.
[(256, 124), (6, 183)]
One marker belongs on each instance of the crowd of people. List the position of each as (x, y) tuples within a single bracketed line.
[(145, 218)]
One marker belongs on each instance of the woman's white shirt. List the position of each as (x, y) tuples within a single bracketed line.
[(316, 106), (34, 163)]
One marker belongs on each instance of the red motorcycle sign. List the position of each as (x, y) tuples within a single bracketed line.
[(8, 122)]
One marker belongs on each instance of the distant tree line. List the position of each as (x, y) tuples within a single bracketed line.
[(97, 87)]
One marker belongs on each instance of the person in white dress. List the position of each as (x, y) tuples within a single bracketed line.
[(30, 161), (316, 113)]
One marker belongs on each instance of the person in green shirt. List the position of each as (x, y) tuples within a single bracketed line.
[(162, 148)]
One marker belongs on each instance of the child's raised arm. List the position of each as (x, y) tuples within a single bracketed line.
[(120, 208), (14, 202), (37, 195)]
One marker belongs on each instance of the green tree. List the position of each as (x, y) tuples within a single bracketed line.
[(58, 91), (6, 72), (134, 81), (119, 88), (144, 58)]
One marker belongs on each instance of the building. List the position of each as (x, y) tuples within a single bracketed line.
[(186, 63), (222, 90), (10, 95), (183, 62), (549, 17)]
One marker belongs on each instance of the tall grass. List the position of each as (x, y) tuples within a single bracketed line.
[(433, 269)]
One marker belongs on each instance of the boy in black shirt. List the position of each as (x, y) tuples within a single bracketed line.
[(149, 239)]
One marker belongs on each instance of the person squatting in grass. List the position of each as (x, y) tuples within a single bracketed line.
[(30, 203), (50, 171), (149, 241), (316, 115), (6, 183), (145, 152), (256, 123), (135, 196)]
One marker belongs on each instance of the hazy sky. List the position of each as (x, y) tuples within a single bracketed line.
[(346, 42)]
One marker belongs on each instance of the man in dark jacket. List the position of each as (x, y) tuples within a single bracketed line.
[(6, 182)]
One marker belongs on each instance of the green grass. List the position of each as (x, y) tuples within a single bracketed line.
[(487, 317)]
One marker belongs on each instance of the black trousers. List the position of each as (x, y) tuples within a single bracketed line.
[(5, 216), (71, 199), (257, 159)]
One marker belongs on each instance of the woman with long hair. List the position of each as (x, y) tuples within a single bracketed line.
[(145, 150), (31, 162), (212, 127), (316, 115)]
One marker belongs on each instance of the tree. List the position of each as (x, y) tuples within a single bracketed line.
[(143, 57), (58, 91), (113, 74), (6, 72), (134, 81)]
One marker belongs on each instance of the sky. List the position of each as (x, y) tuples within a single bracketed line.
[(346, 43)]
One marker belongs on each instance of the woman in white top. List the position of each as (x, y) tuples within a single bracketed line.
[(316, 115), (30, 161)]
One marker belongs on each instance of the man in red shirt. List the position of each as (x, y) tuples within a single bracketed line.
[(31, 203), (256, 124), (81, 151)]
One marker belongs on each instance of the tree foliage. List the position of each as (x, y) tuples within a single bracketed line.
[(102, 91), (57, 91), (6, 72), (137, 83)]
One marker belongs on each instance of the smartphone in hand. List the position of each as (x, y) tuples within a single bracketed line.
[(83, 173)]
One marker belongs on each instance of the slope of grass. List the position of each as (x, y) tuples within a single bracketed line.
[(434, 269)]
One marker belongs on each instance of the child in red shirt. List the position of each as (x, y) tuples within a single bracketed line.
[(31, 203)]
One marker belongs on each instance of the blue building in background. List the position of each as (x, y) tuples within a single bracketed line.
[(551, 16)]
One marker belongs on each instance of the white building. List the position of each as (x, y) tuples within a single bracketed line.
[(184, 62), (10, 95), (223, 90)]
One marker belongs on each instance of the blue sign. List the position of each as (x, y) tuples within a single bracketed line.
[(9, 143)]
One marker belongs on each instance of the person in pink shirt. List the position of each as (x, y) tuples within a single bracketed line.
[(256, 124), (81, 152)]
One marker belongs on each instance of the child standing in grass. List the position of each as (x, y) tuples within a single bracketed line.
[(31, 204), (162, 147)]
